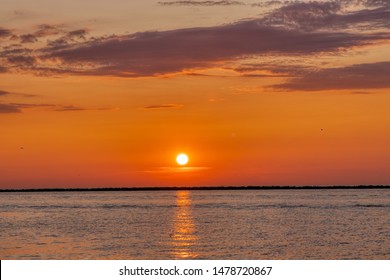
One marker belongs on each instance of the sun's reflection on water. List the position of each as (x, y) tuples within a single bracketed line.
[(184, 231)]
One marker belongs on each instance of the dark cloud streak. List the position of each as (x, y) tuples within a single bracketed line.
[(5, 33), (9, 108), (47, 30), (18, 107), (68, 39), (309, 16), (69, 108), (162, 106), (201, 3), (22, 60), (357, 77), (3, 92), (28, 38)]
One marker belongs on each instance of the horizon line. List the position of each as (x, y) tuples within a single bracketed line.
[(176, 188)]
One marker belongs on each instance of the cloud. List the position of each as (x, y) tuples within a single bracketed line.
[(72, 108), (5, 33), (162, 106), (28, 38), (267, 4), (267, 70), (274, 69), (361, 92), (370, 3), (8, 108), (69, 108), (358, 77), (309, 16), (201, 3), (3, 92), (67, 39), (295, 29), (17, 57), (161, 52), (14, 49), (30, 105), (47, 30), (79, 34), (22, 60), (18, 107)]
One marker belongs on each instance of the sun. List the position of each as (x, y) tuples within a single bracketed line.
[(182, 159)]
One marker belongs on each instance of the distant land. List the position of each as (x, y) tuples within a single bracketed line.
[(176, 188)]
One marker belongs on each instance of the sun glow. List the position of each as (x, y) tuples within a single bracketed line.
[(182, 159)]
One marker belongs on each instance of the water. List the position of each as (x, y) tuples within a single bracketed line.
[(217, 224)]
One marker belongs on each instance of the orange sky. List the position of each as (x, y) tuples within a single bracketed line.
[(255, 92)]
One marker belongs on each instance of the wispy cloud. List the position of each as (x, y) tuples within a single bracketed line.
[(31, 105), (28, 38), (18, 56), (22, 60), (201, 3), (3, 92), (69, 108), (267, 4), (314, 15), (367, 3), (359, 76), (44, 30), (161, 106), (5, 33), (68, 38), (361, 92), (8, 93), (19, 107), (9, 108)]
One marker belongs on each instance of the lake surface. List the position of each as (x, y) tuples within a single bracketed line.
[(196, 224)]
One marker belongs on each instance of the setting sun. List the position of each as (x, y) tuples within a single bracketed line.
[(182, 159)]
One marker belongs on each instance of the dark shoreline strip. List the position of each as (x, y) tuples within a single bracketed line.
[(230, 188)]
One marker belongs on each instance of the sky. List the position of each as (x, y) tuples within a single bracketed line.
[(108, 93)]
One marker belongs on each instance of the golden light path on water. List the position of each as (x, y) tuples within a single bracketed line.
[(184, 231)]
